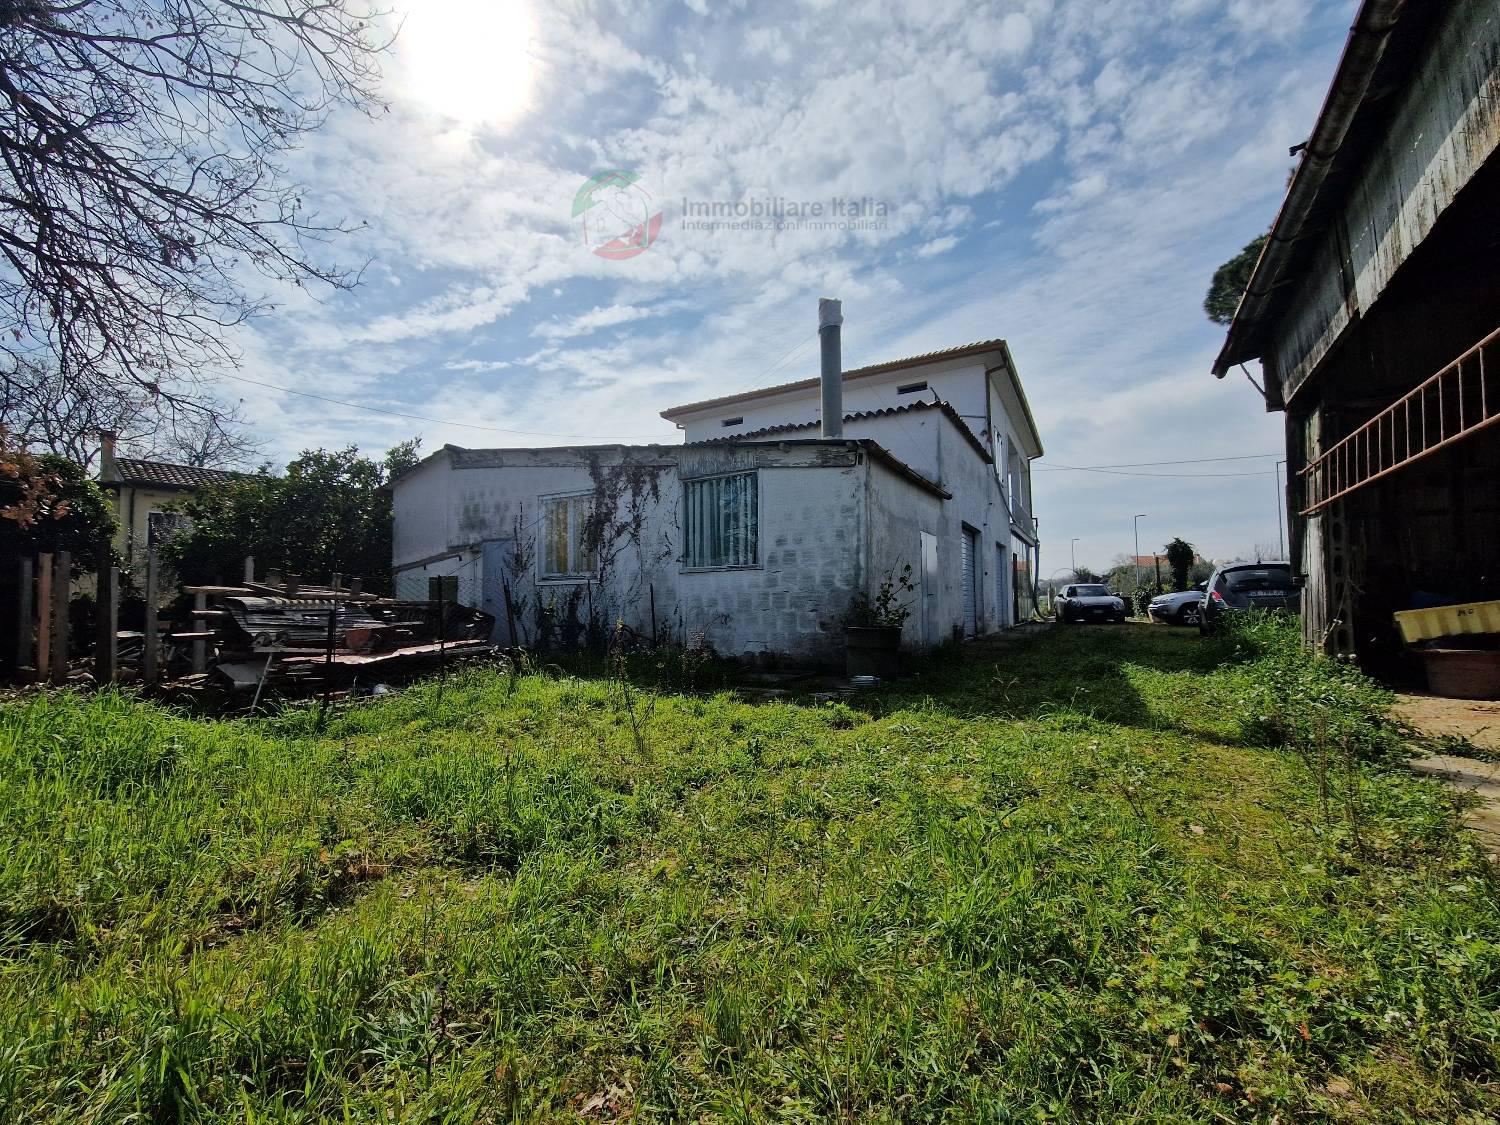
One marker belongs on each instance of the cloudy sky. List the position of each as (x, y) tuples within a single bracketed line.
[(1065, 174)]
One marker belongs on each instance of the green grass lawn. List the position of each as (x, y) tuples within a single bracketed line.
[(1060, 881)]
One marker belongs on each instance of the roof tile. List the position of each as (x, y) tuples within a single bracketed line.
[(161, 474)]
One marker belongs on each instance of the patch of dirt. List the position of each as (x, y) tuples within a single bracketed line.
[(1475, 720)]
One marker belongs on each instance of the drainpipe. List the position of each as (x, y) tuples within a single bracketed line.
[(830, 325)]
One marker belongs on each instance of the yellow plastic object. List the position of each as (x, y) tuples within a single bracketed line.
[(1448, 621)]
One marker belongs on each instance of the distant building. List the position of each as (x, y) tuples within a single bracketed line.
[(757, 532), (1375, 313), (141, 490)]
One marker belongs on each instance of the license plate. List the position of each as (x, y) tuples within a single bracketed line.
[(1272, 593)]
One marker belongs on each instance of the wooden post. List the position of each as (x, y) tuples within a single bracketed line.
[(436, 593), (25, 614), (149, 656), (106, 640), (333, 620), (43, 616), (510, 613), (62, 566), (200, 645)]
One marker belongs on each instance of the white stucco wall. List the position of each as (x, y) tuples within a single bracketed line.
[(809, 564), (833, 520), (960, 382), (988, 404)]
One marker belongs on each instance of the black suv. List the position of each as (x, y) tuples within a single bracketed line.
[(1243, 586)]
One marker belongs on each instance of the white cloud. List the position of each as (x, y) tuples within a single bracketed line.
[(1069, 171), (595, 319), (477, 365), (937, 246)]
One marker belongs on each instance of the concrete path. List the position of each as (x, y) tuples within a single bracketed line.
[(1479, 778), (1478, 722)]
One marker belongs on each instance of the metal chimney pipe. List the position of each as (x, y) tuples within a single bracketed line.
[(830, 327)]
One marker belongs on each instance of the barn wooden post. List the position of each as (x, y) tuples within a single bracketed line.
[(62, 566), (25, 620), (149, 656), (43, 616), (107, 601), (333, 621), (200, 645)]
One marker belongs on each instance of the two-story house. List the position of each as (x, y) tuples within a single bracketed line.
[(755, 534)]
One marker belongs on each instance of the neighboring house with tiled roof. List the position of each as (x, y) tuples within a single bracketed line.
[(142, 490), (759, 531)]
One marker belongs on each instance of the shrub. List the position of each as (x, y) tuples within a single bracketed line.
[(1305, 701)]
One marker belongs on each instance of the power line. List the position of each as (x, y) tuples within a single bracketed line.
[(1158, 476), (1150, 464)]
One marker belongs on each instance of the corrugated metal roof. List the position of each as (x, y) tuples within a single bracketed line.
[(1383, 45), (161, 474)]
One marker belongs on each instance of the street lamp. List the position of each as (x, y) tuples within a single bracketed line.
[(1073, 558), (1137, 524)]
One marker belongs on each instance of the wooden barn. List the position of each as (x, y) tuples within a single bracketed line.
[(1375, 314)]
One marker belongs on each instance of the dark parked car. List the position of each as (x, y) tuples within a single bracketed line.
[(1246, 586), (1180, 608), (1089, 601)]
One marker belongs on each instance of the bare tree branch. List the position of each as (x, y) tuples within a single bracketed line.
[(140, 174), (45, 411)]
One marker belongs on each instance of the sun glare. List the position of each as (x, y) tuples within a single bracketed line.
[(469, 60)]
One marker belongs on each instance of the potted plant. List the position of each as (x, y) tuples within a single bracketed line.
[(872, 631)]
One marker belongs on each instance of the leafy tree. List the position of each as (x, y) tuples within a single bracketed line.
[(1229, 282), (402, 456), (330, 512), (142, 181), (1084, 574), (48, 503), (1180, 555)]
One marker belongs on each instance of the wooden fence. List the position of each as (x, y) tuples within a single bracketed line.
[(41, 641)]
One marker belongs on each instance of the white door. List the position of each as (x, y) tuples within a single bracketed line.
[(931, 631), (971, 583)]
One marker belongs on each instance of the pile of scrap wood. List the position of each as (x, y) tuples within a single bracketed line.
[(295, 639)]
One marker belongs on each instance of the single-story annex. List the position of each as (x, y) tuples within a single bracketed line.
[(754, 534)]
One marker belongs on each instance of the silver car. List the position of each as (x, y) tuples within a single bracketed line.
[(1182, 607)]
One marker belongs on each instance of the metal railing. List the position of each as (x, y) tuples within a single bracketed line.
[(1461, 399)]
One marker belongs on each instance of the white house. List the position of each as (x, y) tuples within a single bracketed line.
[(754, 535)]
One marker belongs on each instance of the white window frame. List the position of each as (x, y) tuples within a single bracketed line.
[(688, 528), (575, 517)]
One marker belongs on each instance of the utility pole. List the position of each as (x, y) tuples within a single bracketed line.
[(1137, 556), (1073, 557), (1280, 506)]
